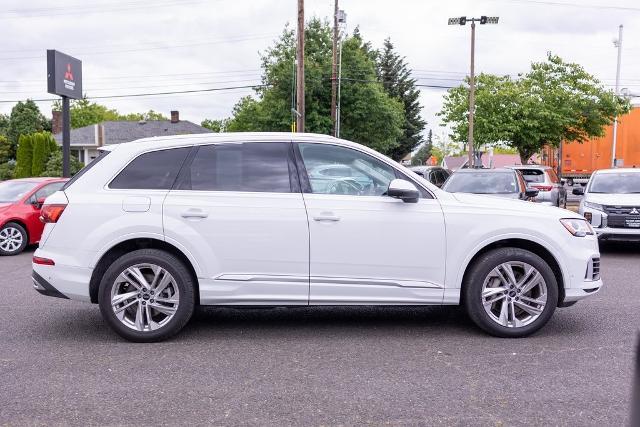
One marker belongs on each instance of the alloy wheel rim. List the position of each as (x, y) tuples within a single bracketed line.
[(514, 294), (10, 239), (145, 297)]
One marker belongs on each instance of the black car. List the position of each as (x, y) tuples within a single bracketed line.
[(434, 174)]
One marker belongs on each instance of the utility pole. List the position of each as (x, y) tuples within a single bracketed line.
[(342, 20), (334, 67), (472, 80), (472, 93), (617, 43), (300, 70)]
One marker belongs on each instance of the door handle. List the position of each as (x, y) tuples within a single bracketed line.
[(194, 213), (326, 217)]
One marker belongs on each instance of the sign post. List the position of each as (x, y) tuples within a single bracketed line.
[(64, 78)]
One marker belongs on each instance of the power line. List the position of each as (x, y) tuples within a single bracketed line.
[(581, 5), (137, 95)]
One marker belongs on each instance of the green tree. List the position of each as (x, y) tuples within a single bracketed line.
[(5, 149), (7, 169), (84, 113), (216, 125), (424, 152), (54, 164), (369, 116), (555, 101), (396, 78), (4, 125), (43, 143), (25, 118), (24, 156)]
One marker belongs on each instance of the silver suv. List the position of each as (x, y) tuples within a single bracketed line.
[(544, 179)]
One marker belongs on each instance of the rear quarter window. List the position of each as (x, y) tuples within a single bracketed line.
[(156, 170)]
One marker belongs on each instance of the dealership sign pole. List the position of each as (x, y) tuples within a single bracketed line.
[(64, 78)]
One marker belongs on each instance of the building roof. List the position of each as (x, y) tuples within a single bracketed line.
[(116, 132)]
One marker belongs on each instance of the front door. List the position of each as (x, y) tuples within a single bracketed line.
[(366, 247), (238, 210)]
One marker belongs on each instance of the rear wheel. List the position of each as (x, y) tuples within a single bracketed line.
[(510, 292), (13, 239), (147, 295)]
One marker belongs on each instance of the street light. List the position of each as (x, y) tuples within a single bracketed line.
[(462, 20), (618, 44)]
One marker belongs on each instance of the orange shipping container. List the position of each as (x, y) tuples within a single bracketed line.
[(580, 160)]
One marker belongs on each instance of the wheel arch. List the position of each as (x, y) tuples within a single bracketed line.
[(130, 245), (525, 244)]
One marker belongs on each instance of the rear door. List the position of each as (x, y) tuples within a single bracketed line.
[(238, 210)]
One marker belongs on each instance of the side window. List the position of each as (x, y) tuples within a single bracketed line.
[(48, 190), (356, 173), (251, 166), (156, 170)]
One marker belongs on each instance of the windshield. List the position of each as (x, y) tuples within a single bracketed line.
[(616, 183), (481, 183), (11, 191)]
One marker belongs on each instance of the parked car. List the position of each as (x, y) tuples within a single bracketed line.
[(502, 182), (434, 174), (20, 203), (611, 203), (150, 229), (544, 179)]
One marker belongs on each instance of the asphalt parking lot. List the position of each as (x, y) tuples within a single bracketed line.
[(61, 365)]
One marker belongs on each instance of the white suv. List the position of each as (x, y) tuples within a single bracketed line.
[(153, 228)]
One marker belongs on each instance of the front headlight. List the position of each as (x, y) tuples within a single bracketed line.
[(592, 205), (577, 227)]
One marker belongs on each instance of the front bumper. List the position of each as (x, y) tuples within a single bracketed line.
[(609, 233)]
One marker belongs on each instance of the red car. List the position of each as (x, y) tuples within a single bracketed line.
[(20, 203)]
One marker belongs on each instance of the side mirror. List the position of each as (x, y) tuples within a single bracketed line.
[(530, 193), (578, 191), (403, 190)]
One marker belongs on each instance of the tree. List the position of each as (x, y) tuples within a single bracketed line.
[(424, 153), (54, 164), (85, 113), (24, 157), (7, 169), (4, 125), (5, 149), (25, 118), (43, 145), (555, 101), (369, 116), (215, 125), (396, 79)]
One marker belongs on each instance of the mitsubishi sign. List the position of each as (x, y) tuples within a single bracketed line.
[(64, 75)]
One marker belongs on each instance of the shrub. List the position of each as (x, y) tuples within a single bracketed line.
[(24, 157)]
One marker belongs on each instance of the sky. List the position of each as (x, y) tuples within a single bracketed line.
[(141, 46)]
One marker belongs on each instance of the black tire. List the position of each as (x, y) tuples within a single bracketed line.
[(570, 182), (183, 280), (472, 291), (23, 234)]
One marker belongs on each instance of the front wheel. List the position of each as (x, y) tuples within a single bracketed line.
[(510, 292), (147, 295)]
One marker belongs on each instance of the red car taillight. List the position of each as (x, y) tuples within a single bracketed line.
[(543, 187), (51, 213), (43, 261)]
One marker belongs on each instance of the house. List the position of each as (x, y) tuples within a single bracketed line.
[(85, 141)]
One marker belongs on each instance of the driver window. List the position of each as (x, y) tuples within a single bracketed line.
[(338, 170)]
